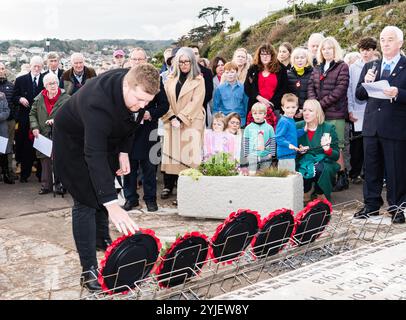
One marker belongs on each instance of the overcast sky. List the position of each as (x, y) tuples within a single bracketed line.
[(117, 19)]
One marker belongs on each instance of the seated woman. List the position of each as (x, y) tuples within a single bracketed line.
[(319, 152)]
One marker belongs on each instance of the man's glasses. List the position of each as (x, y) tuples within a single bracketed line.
[(185, 62), (139, 59)]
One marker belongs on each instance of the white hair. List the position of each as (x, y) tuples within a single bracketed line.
[(50, 77), (316, 36), (36, 60), (300, 50), (394, 29), (75, 56), (351, 57)]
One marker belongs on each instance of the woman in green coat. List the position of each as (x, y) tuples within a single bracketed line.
[(42, 113), (319, 152)]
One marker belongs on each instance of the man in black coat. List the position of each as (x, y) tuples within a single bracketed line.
[(208, 80), (144, 141), (26, 88), (93, 134), (384, 129)]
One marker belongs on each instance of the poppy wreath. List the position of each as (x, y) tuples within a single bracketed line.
[(110, 250), (168, 259), (303, 219), (274, 233), (216, 251)]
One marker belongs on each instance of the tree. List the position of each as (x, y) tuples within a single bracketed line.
[(213, 13)]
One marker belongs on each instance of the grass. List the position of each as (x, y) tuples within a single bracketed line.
[(273, 172)]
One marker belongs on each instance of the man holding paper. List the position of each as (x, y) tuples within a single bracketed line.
[(93, 134), (384, 129)]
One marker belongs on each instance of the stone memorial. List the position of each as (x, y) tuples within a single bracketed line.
[(372, 272)]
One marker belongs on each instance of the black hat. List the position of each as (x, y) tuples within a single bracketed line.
[(274, 232), (311, 221), (184, 259), (127, 260), (234, 235)]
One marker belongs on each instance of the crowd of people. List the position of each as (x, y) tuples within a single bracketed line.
[(288, 107), (293, 108)]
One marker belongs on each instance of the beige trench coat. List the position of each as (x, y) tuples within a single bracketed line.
[(185, 143)]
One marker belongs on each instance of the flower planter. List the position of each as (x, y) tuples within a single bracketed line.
[(217, 197)]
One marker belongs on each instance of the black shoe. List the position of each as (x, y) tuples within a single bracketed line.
[(356, 180), (152, 206), (103, 244), (398, 217), (89, 280), (59, 189), (44, 191), (342, 181), (23, 180), (166, 193), (8, 179), (365, 213), (128, 205)]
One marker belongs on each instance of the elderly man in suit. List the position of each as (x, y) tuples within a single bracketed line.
[(384, 129), (93, 135), (76, 77), (26, 88)]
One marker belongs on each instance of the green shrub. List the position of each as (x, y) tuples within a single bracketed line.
[(219, 165)]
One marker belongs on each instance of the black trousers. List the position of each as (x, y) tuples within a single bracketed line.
[(357, 154), (170, 180), (148, 181), (384, 155), (88, 224)]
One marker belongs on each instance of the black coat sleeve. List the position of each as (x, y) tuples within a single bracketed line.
[(251, 83), (208, 83), (98, 124), (160, 105), (281, 88)]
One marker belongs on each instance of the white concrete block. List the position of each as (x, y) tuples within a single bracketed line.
[(217, 197)]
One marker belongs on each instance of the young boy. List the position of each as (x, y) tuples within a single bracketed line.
[(230, 96), (258, 140), (287, 134)]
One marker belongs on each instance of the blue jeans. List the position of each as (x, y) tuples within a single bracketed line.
[(88, 224), (148, 181)]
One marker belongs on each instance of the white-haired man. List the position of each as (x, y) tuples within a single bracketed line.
[(26, 88), (384, 129), (74, 78), (313, 45)]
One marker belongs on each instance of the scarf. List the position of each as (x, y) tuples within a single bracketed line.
[(300, 71), (49, 103)]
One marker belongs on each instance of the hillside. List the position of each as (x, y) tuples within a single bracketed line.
[(340, 25)]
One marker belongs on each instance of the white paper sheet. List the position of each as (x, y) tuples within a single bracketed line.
[(375, 89), (43, 145), (3, 144), (358, 124)]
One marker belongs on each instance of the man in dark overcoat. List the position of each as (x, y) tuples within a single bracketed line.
[(93, 134)]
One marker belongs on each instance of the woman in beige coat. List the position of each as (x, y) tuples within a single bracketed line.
[(184, 122)]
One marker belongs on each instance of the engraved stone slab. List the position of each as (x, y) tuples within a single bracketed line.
[(373, 272)]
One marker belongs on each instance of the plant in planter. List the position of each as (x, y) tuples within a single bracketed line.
[(219, 164), (273, 172)]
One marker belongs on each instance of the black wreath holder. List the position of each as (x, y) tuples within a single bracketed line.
[(234, 235), (311, 221), (127, 260), (274, 233), (184, 260)]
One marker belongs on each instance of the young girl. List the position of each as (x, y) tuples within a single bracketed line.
[(217, 140), (233, 126)]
